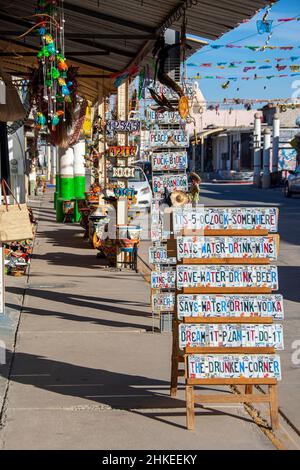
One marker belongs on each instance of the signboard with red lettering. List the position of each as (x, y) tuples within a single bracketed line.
[(230, 336), (122, 151), (227, 247), (234, 366), (227, 276), (223, 305), (225, 218)]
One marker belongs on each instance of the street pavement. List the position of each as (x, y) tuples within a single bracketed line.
[(89, 373)]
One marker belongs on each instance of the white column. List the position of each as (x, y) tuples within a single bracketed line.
[(66, 162), (266, 159), (79, 153), (257, 149), (276, 135)]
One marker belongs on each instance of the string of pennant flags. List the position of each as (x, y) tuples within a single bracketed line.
[(250, 65), (253, 48), (244, 77)]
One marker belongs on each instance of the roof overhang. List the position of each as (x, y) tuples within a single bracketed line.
[(108, 37)]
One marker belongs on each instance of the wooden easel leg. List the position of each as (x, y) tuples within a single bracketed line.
[(274, 406), (174, 375), (248, 389), (190, 407), (175, 362)]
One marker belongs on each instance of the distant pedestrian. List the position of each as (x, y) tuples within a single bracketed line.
[(194, 194)]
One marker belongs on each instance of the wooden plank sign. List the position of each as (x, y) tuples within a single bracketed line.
[(226, 218), (159, 255), (169, 161), (122, 151), (221, 305), (123, 126), (230, 336), (227, 276), (234, 366), (163, 279), (170, 138), (169, 182), (227, 247), (163, 301)]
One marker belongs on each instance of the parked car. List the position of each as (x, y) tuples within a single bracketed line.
[(292, 184), (141, 185)]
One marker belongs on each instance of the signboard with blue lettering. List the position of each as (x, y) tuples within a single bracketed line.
[(163, 301), (169, 138), (225, 218), (230, 336), (234, 366), (163, 279), (169, 161), (227, 276), (222, 305), (227, 247), (159, 255)]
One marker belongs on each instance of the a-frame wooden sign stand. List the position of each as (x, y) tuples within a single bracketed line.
[(181, 356)]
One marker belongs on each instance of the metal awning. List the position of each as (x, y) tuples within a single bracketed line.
[(207, 132), (105, 37)]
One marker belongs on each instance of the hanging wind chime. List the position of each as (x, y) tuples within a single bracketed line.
[(53, 84)]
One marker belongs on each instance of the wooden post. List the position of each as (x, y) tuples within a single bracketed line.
[(274, 406), (175, 361), (190, 407)]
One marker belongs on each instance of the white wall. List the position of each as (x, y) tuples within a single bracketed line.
[(16, 147)]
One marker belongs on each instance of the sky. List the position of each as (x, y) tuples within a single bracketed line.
[(286, 34)]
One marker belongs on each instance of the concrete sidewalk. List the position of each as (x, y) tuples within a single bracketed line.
[(88, 373)]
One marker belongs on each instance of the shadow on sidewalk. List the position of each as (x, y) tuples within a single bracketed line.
[(112, 389)]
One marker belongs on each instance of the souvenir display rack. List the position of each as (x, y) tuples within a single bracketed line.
[(198, 355)]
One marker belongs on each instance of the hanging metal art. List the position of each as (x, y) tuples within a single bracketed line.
[(53, 84)]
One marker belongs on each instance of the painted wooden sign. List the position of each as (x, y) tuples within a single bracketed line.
[(168, 117), (228, 218), (221, 305), (227, 276), (169, 182), (227, 247), (170, 138), (163, 279), (122, 151), (163, 301), (123, 126), (123, 172), (230, 336), (159, 255), (234, 366), (169, 161)]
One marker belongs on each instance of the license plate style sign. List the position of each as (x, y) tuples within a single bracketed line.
[(163, 302), (163, 279), (168, 92), (123, 172), (234, 366), (230, 336), (170, 138), (170, 182), (158, 255), (196, 305), (227, 276), (122, 151), (168, 117), (228, 218), (227, 247), (169, 161), (123, 126)]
